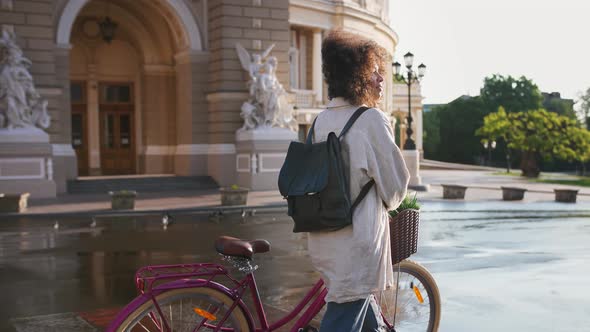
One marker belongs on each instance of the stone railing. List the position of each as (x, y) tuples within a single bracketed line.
[(303, 98)]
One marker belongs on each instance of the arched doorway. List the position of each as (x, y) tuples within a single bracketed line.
[(125, 96)]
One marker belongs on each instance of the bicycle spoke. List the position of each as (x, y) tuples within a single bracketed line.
[(145, 328)]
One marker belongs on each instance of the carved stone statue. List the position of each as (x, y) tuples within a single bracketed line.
[(21, 106), (267, 105)]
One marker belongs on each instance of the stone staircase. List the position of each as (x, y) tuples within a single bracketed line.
[(139, 183)]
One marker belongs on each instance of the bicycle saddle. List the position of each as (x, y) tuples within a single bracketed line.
[(231, 246)]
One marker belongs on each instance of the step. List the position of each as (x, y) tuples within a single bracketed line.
[(140, 183)]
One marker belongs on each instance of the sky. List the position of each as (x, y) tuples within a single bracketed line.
[(463, 41)]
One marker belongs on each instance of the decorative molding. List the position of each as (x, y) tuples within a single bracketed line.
[(183, 13), (267, 134), (159, 150), (40, 162), (49, 168), (190, 149), (50, 91), (265, 156), (257, 44), (63, 150), (239, 158), (225, 96), (222, 149)]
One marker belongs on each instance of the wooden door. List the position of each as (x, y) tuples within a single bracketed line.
[(117, 130), (79, 125)]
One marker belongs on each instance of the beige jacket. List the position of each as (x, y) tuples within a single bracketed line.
[(356, 261)]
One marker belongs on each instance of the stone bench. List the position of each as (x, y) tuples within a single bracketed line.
[(13, 202), (512, 193), (453, 191), (566, 195)]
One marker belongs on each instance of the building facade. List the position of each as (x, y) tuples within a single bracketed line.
[(155, 86)]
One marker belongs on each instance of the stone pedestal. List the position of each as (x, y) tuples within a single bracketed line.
[(512, 194), (452, 191), (565, 195), (260, 153), (412, 159), (123, 200), (26, 163)]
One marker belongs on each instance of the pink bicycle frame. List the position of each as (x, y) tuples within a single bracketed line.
[(151, 281)]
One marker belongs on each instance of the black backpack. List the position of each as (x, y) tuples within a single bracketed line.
[(314, 181)]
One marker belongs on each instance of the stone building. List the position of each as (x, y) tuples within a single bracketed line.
[(155, 86)]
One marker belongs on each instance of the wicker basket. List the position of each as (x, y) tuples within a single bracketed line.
[(403, 229)]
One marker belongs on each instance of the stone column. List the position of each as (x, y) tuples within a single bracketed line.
[(65, 163), (93, 124), (158, 119), (190, 154), (317, 79)]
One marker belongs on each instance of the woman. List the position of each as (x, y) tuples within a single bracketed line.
[(356, 261)]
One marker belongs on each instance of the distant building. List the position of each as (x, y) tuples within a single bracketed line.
[(554, 103)]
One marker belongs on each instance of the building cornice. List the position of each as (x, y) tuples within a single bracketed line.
[(339, 10)]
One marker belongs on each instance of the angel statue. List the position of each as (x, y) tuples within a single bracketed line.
[(265, 106), (21, 106)]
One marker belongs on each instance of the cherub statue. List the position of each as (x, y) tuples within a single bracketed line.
[(267, 105), (21, 105), (253, 109)]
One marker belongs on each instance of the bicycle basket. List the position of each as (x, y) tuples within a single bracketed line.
[(403, 229)]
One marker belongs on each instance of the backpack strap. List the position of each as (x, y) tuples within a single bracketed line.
[(352, 120), (347, 126), (362, 194), (310, 133)]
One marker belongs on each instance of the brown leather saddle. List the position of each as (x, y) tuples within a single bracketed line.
[(231, 246)]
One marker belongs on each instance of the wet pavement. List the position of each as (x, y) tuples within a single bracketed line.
[(500, 266)]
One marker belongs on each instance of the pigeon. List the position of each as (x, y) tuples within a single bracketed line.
[(215, 215), (93, 223), (56, 225), (166, 219), (244, 215)]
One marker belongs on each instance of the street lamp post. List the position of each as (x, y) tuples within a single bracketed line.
[(489, 145), (411, 77)]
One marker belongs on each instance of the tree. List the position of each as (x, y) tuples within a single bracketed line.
[(541, 134), (515, 95), (431, 134), (584, 101), (458, 121), (496, 126), (577, 146)]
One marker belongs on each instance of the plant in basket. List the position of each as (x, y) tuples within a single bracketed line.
[(403, 228)]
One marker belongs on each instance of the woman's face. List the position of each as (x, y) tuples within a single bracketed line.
[(377, 83)]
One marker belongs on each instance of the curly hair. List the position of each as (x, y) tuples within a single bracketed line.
[(348, 61)]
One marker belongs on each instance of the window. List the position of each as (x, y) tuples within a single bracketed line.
[(115, 93), (77, 92)]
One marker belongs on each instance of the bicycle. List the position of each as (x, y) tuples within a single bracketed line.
[(190, 297)]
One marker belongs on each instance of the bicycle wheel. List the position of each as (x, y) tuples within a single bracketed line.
[(418, 302), (180, 307)]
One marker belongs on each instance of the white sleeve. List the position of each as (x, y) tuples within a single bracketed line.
[(385, 163)]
